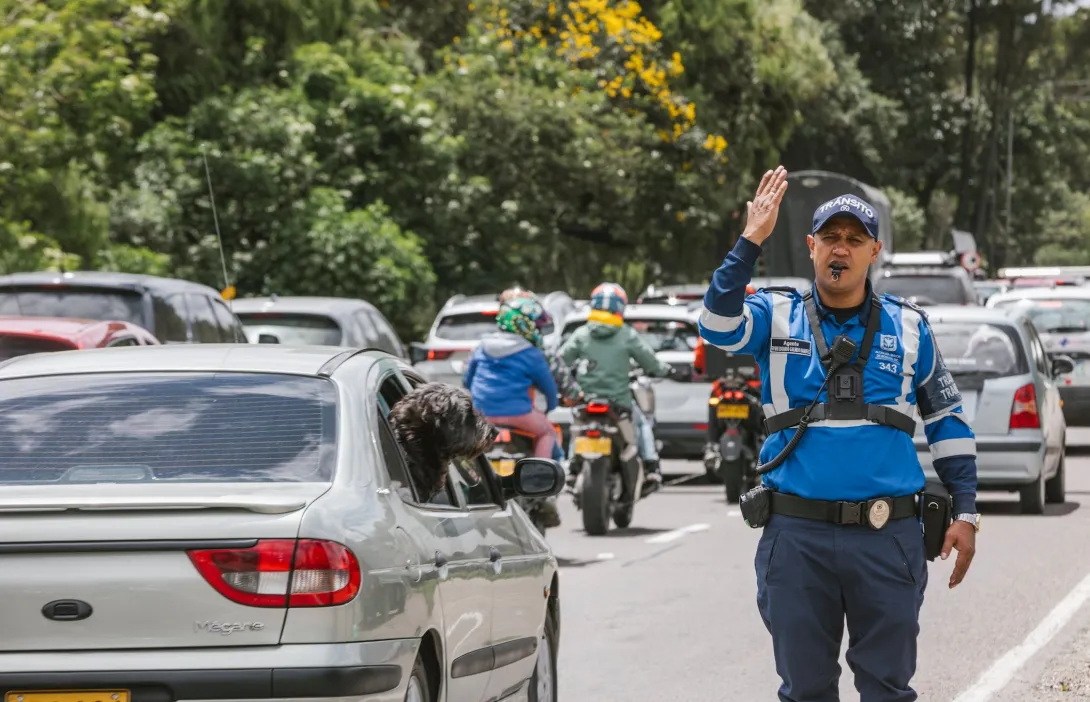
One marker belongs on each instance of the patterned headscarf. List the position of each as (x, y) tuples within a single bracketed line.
[(519, 316)]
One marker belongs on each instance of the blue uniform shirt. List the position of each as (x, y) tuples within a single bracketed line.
[(844, 459)]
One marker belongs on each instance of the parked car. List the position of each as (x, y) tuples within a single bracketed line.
[(175, 311), (237, 521), (458, 329), (1010, 399), (24, 335), (681, 408), (323, 321), (928, 285), (1062, 317), (986, 288)]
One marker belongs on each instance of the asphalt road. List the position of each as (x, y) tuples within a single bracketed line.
[(666, 610)]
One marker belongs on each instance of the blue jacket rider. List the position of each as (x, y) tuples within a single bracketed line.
[(813, 571)]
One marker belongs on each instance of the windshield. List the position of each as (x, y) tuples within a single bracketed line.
[(972, 348), (926, 289), (166, 427), (80, 303), (659, 334), (12, 345), (294, 329), (1054, 315)]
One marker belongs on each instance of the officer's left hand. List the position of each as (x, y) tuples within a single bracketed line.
[(962, 536)]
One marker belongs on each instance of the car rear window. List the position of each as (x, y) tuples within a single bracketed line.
[(980, 350), (467, 326), (12, 345), (1054, 316), (925, 289), (166, 427), (66, 301), (297, 329)]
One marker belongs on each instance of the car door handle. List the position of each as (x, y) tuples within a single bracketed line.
[(494, 554), (440, 560)]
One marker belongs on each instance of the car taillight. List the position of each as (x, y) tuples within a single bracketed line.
[(1024, 409), (738, 394), (597, 408), (439, 354), (282, 573)]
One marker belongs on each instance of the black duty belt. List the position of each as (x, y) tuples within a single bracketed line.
[(864, 512), (880, 414)]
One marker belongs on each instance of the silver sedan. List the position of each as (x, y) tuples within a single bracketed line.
[(237, 522)]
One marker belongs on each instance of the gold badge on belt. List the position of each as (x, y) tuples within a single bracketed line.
[(879, 513)]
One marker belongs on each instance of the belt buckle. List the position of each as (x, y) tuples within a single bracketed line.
[(879, 510), (851, 513)]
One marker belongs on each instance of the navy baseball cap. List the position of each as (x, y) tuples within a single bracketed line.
[(850, 206)]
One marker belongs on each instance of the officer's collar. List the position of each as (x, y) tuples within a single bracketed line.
[(864, 313)]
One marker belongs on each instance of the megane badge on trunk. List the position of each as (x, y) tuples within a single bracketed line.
[(66, 610)]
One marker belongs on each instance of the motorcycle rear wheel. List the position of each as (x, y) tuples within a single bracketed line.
[(595, 500), (732, 480)]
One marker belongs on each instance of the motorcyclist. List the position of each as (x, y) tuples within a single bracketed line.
[(570, 392), (606, 346), (504, 368)]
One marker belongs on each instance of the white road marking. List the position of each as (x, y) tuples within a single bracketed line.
[(995, 678), (667, 537), (605, 556)]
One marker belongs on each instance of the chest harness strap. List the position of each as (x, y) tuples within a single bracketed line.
[(846, 387)]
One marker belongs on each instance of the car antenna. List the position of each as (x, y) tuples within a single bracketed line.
[(219, 238)]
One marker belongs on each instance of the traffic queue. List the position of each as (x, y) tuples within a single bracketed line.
[(207, 513)]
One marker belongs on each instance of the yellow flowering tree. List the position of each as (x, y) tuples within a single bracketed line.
[(616, 44)]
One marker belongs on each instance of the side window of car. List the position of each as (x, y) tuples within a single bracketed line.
[(396, 458), (205, 330), (123, 341), (170, 316), (471, 480), (387, 338), (230, 331), (367, 328), (1040, 358)]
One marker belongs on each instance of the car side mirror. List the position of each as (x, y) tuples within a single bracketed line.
[(684, 374), (534, 477), (1062, 365), (417, 352)]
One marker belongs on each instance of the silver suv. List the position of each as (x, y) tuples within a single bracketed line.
[(458, 329)]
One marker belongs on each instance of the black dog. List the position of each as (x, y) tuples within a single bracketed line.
[(434, 424)]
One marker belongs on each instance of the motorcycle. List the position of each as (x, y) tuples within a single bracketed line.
[(510, 446), (736, 416), (605, 458)]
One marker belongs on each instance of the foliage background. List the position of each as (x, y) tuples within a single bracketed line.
[(405, 150)]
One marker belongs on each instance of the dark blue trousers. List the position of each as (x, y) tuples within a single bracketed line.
[(813, 575)]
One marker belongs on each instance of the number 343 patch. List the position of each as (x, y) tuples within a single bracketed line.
[(889, 367)]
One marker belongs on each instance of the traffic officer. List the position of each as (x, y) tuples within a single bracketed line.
[(843, 539)]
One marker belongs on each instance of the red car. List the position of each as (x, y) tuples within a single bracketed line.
[(23, 335)]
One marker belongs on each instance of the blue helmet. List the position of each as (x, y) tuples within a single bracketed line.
[(609, 297)]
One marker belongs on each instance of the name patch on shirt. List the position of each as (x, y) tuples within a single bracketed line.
[(799, 346)]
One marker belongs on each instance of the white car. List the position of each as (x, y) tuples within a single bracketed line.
[(1009, 397), (1061, 315)]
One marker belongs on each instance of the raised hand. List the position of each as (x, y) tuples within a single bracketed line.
[(762, 211)]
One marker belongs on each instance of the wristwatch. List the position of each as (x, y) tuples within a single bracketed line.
[(973, 519)]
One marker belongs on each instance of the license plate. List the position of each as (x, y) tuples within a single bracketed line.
[(503, 466), (587, 444), (730, 411), (69, 696)]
